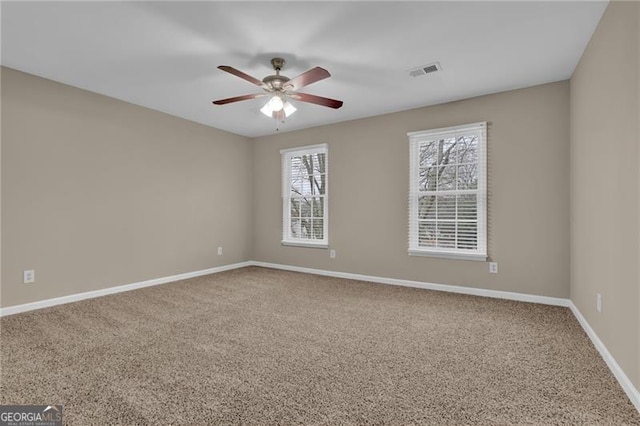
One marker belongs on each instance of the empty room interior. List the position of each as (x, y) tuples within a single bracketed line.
[(320, 212)]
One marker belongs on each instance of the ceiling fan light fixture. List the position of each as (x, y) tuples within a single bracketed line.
[(267, 110), (289, 108), (276, 103)]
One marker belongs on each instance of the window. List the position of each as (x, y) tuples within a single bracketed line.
[(448, 192), (304, 196)]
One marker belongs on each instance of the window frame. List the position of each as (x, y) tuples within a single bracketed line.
[(286, 156), (415, 140)]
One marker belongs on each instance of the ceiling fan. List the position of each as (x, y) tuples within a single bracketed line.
[(280, 88)]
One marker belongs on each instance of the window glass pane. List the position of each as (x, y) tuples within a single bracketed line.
[(307, 186), (467, 207), (446, 151), (305, 228), (468, 176), (296, 187), (308, 163), (295, 209), (320, 163), (446, 234), (313, 164), (446, 178), (296, 167), (467, 150), (426, 234), (318, 229), (427, 179), (320, 186), (428, 154), (446, 205), (427, 207), (295, 228), (467, 235), (305, 207), (317, 207)]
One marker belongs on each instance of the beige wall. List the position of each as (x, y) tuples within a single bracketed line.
[(1, 72), (528, 150), (605, 137), (97, 192)]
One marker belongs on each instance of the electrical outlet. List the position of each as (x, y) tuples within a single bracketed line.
[(493, 267), (599, 302), (332, 253), (28, 276), (219, 251)]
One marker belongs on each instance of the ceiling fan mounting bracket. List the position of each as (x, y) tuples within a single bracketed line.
[(277, 63)]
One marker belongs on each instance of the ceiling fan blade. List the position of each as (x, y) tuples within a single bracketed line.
[(237, 99), (307, 78), (319, 100), (240, 74)]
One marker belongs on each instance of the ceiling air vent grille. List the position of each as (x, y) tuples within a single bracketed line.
[(425, 69)]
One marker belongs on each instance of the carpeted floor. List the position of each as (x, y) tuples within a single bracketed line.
[(261, 346)]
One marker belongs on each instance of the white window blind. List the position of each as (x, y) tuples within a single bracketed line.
[(448, 192), (304, 196)]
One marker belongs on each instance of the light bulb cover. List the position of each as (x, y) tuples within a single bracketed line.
[(288, 108), (267, 110), (276, 103)]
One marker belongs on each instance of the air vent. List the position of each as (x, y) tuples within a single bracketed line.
[(424, 70)]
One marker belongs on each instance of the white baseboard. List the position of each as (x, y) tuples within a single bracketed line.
[(112, 290), (623, 379), (497, 294), (10, 310)]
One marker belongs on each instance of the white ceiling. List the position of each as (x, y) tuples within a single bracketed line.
[(163, 55)]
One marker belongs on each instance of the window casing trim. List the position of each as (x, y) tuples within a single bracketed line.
[(311, 149), (286, 155), (480, 125), (417, 137), (448, 255), (303, 243)]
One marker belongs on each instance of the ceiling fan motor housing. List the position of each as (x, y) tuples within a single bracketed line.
[(277, 81)]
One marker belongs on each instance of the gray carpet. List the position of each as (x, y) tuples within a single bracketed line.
[(261, 346)]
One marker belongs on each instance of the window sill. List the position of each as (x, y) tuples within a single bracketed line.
[(445, 255), (305, 244)]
